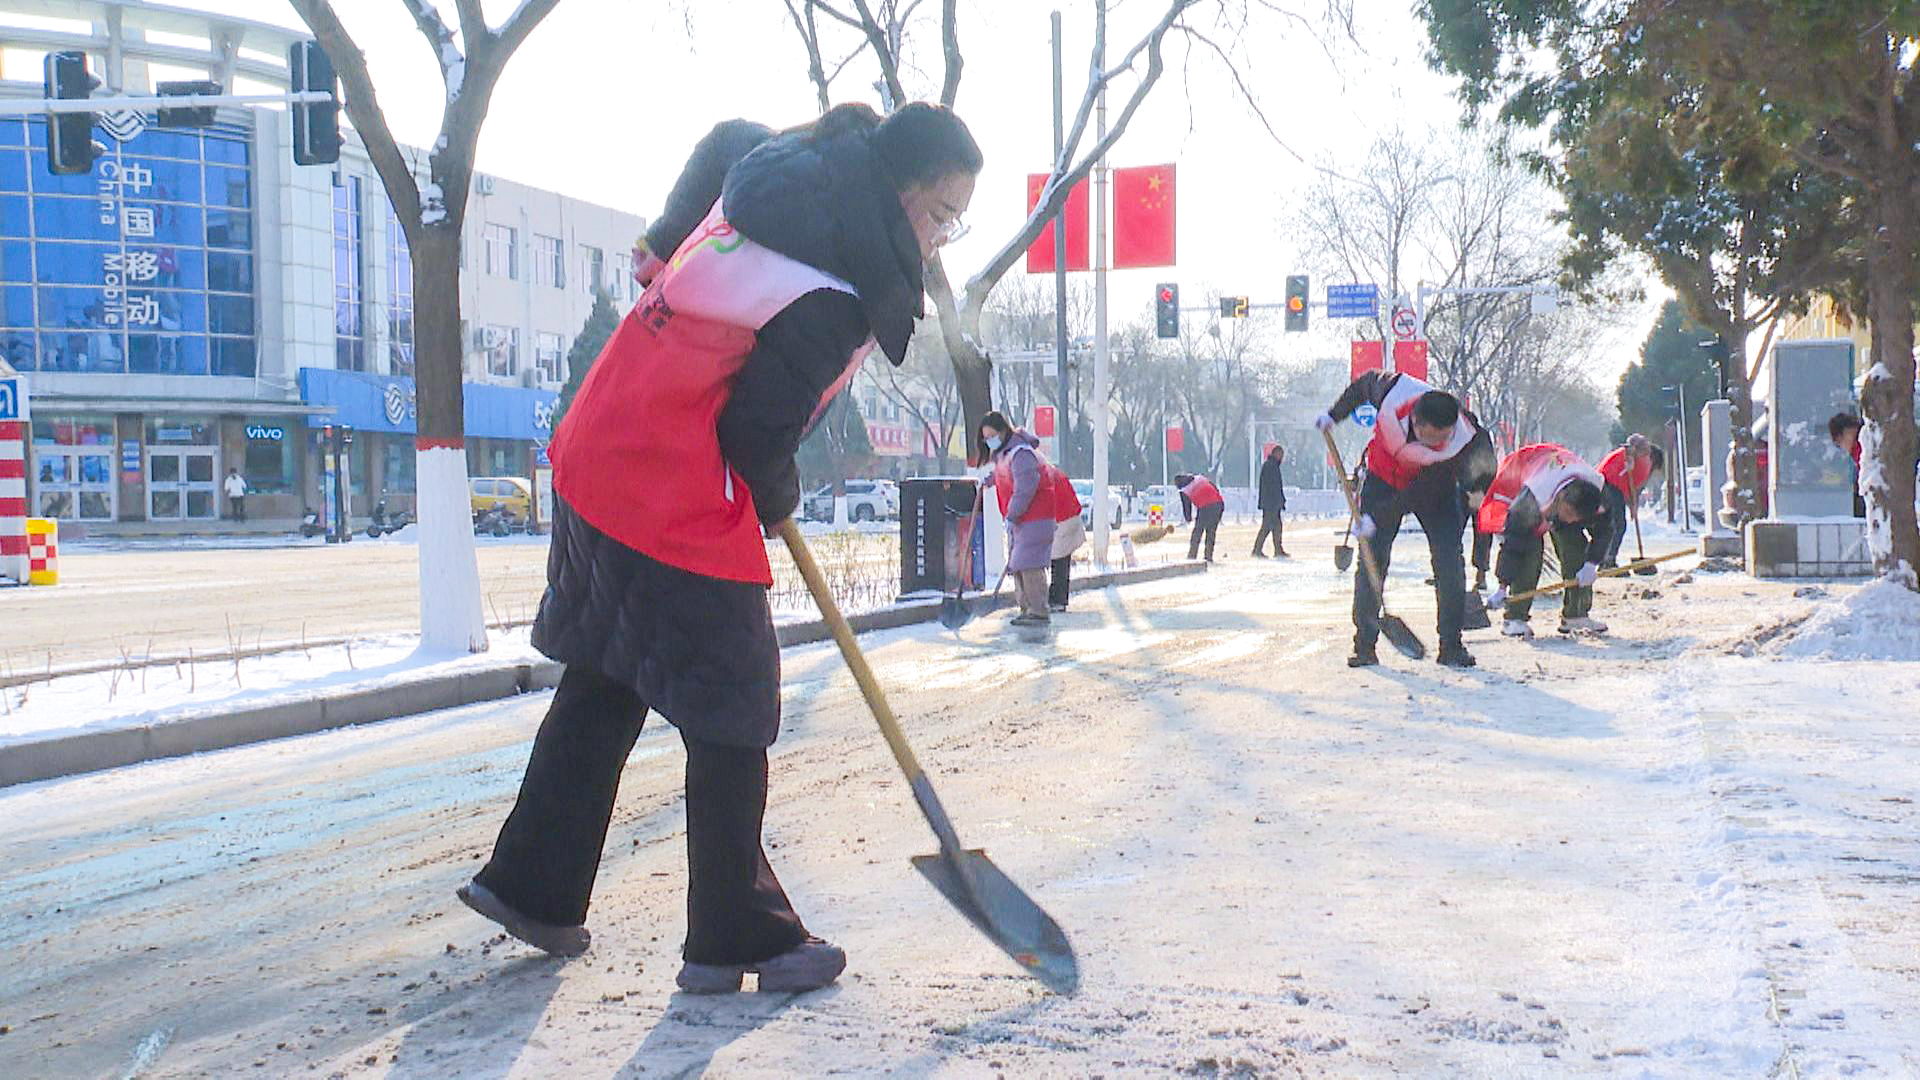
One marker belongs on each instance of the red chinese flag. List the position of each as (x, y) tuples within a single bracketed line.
[(1176, 440), (1043, 421), (1410, 358), (1366, 356), (1040, 252), (1143, 217)]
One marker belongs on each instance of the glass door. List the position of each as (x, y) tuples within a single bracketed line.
[(73, 483), (165, 500), (181, 485)]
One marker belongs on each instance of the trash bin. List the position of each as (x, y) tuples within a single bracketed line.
[(933, 511), (43, 551)]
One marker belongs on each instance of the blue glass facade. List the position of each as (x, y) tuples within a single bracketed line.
[(144, 265)]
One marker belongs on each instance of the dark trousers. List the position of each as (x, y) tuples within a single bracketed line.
[(1062, 582), (1617, 511), (1441, 514), (1482, 554), (1270, 525), (239, 506), (1523, 557), (1206, 523), (548, 852)]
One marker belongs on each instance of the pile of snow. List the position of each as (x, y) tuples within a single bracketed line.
[(1880, 621)]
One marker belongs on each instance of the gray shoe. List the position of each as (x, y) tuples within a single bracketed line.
[(1029, 619), (548, 938), (807, 966)]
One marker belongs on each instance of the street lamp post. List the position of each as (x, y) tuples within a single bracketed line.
[(1680, 446)]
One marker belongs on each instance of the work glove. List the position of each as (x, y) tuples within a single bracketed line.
[(1498, 597), (1588, 574), (1324, 422), (1365, 528)]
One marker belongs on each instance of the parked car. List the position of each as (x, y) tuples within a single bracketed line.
[(514, 494), (1165, 496), (1697, 492), (867, 500), (1115, 508)]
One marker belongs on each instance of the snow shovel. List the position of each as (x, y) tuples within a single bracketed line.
[(955, 612), (1398, 632), (966, 877), (1634, 509), (1630, 568), (1343, 551)]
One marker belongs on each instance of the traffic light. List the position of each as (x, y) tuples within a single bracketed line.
[(1166, 309), (1233, 307), (70, 150), (192, 116), (316, 125), (1296, 302)]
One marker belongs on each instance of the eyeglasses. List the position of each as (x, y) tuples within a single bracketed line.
[(948, 231)]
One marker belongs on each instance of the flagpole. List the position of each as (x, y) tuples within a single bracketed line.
[(1059, 261), (1101, 436)]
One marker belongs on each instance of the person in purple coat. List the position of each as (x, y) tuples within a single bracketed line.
[(1023, 482)]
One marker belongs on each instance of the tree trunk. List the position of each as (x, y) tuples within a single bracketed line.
[(1886, 395), (1740, 499), (451, 618)]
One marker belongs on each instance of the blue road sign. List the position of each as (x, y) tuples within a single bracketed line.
[(1365, 415), (1353, 301), (13, 399)]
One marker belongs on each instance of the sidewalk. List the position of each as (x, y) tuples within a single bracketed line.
[(403, 686)]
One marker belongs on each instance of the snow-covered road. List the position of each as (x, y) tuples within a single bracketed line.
[(1643, 855)]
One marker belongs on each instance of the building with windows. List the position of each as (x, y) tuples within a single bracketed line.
[(200, 304)]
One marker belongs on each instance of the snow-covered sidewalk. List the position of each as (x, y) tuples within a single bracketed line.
[(1682, 850)]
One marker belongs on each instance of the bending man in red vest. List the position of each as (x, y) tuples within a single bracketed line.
[(1540, 489), (1202, 504), (1625, 470), (1421, 444), (785, 259)]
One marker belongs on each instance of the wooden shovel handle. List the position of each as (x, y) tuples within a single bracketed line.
[(1615, 572), (1353, 509)]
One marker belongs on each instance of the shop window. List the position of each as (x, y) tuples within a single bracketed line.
[(181, 431), (400, 461), (271, 466)]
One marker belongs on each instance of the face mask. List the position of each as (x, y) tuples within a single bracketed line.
[(993, 442)]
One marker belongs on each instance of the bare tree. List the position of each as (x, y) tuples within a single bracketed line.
[(886, 28), (471, 56), (1458, 213)]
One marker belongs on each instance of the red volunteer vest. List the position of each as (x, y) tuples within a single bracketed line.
[(638, 454), (1392, 454), (1066, 501), (1201, 492), (1614, 468), (1044, 496), (1543, 469)]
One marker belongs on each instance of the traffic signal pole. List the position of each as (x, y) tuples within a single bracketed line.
[(35, 106)]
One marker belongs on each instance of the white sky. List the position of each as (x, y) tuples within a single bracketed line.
[(607, 97)]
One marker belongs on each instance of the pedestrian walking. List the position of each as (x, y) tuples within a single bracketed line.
[(787, 257), (236, 486), (1024, 483), (1273, 503), (1069, 536), (1202, 504)]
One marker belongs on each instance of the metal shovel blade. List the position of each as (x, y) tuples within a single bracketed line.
[(955, 612), (1342, 557), (1475, 617), (1010, 919), (1402, 637)]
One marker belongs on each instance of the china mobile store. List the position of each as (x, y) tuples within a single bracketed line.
[(105, 465), (506, 428)]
